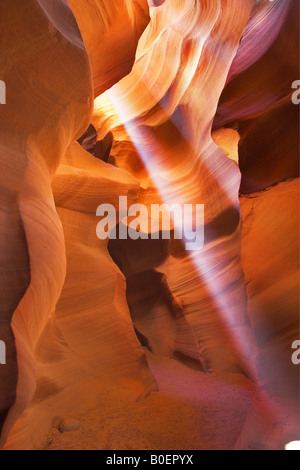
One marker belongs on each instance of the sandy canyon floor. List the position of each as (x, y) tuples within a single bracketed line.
[(191, 411)]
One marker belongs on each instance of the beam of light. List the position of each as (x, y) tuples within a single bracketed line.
[(242, 341), (124, 114), (163, 184), (212, 278)]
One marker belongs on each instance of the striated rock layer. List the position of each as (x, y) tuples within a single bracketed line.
[(42, 117)]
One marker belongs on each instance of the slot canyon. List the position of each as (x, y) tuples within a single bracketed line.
[(118, 342)]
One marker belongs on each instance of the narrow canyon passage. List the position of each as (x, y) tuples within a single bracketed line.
[(149, 224)]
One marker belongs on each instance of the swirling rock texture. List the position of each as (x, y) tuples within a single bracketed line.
[(192, 106), (40, 59)]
